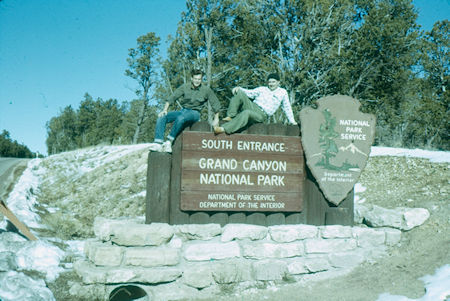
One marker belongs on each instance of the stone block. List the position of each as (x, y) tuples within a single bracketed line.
[(175, 243), (297, 267), (91, 274), (151, 256), (260, 250), (173, 292), (243, 231), (359, 213), (154, 234), (368, 237), (198, 276), (329, 245), (103, 227), (289, 233), (335, 231), (393, 236), (345, 260), (319, 264), (232, 271), (103, 254), (198, 232), (208, 251), (269, 270), (89, 245), (400, 218), (414, 217)]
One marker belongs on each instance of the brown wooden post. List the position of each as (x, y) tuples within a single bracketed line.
[(342, 214), (316, 203), (176, 215), (297, 218), (221, 218), (15, 221), (158, 188)]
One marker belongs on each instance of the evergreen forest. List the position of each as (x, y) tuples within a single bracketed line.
[(372, 50), (12, 148)]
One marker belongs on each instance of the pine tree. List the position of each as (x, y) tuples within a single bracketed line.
[(142, 64)]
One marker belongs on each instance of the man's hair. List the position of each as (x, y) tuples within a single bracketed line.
[(197, 72), (274, 76)]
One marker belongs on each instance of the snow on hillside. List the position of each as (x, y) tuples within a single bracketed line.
[(67, 178), (67, 166), (433, 156)]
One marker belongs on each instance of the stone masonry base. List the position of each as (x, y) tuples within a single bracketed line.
[(174, 262)]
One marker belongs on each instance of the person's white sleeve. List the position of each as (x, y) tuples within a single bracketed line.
[(288, 109), (251, 93)]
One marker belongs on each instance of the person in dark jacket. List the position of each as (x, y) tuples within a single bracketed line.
[(192, 97)]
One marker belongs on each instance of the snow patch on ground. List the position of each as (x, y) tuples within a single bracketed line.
[(437, 287), (433, 156), (22, 199)]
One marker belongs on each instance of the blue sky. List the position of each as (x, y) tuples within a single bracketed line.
[(54, 51)]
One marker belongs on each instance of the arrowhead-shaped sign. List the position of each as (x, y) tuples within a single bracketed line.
[(336, 138)]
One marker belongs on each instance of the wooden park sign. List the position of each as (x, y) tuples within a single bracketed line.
[(241, 173), (337, 138), (257, 177)]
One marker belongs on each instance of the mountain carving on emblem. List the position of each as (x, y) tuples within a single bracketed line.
[(352, 148)]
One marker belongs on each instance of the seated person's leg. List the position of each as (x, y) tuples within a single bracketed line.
[(160, 128), (161, 122), (186, 118), (236, 102), (243, 119)]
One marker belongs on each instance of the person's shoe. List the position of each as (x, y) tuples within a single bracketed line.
[(166, 147), (155, 147), (218, 130), (228, 118)]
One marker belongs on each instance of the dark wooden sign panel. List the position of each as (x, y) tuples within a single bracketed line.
[(241, 172)]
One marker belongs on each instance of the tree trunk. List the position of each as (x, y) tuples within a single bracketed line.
[(140, 118), (208, 38)]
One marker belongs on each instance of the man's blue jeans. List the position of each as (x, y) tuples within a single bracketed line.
[(180, 119)]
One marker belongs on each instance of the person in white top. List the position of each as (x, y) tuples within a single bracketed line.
[(242, 111)]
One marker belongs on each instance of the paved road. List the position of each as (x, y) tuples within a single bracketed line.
[(7, 167)]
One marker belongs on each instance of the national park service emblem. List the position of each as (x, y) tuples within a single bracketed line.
[(336, 138)]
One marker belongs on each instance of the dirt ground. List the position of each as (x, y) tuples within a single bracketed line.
[(391, 182)]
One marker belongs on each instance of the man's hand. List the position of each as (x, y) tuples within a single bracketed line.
[(294, 123), (162, 113), (216, 120), (235, 90)]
